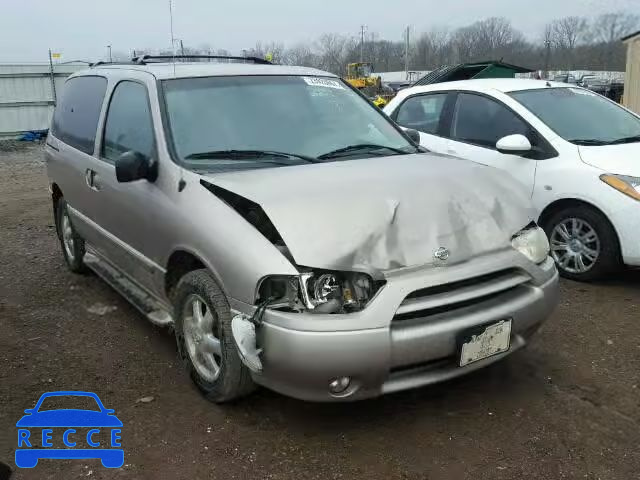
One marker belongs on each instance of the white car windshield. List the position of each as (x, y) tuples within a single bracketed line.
[(244, 122), (580, 116)]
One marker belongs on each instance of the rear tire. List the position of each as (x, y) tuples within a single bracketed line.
[(73, 248), (583, 243), (205, 341)]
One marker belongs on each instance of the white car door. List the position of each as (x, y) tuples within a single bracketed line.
[(478, 122), (424, 113)]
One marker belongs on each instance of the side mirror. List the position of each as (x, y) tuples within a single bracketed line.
[(414, 135), (28, 411), (132, 166), (514, 145)]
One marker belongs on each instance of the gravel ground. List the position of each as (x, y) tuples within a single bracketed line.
[(568, 406)]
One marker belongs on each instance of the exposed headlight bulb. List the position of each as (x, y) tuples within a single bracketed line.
[(326, 287)]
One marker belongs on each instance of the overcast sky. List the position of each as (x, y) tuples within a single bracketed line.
[(81, 29)]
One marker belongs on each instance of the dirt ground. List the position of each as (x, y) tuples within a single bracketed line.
[(568, 406)]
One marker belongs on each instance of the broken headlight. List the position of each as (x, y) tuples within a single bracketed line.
[(532, 242), (319, 291)]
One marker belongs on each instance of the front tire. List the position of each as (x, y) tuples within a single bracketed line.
[(583, 243), (73, 248), (205, 341)]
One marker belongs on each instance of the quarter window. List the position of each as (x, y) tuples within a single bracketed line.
[(76, 116), (482, 121), (422, 112), (129, 126)]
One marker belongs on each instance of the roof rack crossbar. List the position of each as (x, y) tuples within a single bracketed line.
[(101, 62), (144, 59)]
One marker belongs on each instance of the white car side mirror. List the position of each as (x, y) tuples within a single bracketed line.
[(514, 144)]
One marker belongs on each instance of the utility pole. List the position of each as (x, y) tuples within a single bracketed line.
[(110, 56), (406, 52), (547, 57), (181, 48), (363, 29), (173, 40)]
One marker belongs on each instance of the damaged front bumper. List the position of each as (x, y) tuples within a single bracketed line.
[(409, 335)]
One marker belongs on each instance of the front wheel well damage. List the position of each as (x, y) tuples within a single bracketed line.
[(180, 263)]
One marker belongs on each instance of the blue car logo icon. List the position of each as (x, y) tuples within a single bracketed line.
[(36, 433)]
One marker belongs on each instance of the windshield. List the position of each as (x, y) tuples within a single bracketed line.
[(231, 123), (69, 402), (580, 116)]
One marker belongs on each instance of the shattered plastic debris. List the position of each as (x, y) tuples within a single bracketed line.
[(244, 335), (100, 309)]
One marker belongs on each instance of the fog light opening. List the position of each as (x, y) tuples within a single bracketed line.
[(339, 385)]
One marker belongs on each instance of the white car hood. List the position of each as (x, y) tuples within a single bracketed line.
[(619, 159), (385, 213)]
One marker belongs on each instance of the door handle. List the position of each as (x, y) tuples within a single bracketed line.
[(90, 179)]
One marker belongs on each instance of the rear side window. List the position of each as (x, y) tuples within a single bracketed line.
[(482, 121), (76, 116), (129, 126), (422, 112)]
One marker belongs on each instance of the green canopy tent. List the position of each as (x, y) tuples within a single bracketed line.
[(467, 71)]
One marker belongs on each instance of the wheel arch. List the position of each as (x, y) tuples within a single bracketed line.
[(56, 195), (563, 203), (182, 261)]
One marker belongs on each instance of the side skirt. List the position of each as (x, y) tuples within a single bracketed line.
[(155, 311)]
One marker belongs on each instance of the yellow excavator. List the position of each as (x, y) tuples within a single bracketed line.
[(360, 76)]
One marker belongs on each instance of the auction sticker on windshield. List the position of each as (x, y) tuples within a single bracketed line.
[(323, 82)]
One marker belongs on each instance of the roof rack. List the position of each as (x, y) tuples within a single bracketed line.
[(100, 63), (145, 59)]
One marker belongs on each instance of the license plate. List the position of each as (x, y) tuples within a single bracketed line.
[(485, 342)]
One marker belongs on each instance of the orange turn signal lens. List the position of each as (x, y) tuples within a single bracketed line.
[(628, 185)]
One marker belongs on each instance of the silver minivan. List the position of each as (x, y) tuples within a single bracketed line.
[(290, 233)]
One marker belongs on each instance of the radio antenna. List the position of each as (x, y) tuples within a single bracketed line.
[(181, 182), (173, 40)]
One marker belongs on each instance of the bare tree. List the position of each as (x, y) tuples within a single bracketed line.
[(611, 27), (567, 33), (300, 55), (493, 38), (565, 44), (432, 49), (333, 52)]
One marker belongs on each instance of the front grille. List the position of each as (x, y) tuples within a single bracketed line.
[(460, 294)]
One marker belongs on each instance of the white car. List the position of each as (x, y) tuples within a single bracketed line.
[(576, 152)]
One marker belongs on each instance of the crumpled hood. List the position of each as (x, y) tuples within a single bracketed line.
[(386, 213), (621, 159)]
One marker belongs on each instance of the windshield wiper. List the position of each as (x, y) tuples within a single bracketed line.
[(247, 154), (360, 148), (588, 141), (631, 139)]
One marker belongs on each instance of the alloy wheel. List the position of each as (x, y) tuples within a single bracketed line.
[(202, 337), (575, 245)]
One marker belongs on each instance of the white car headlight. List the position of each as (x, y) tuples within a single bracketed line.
[(532, 242)]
